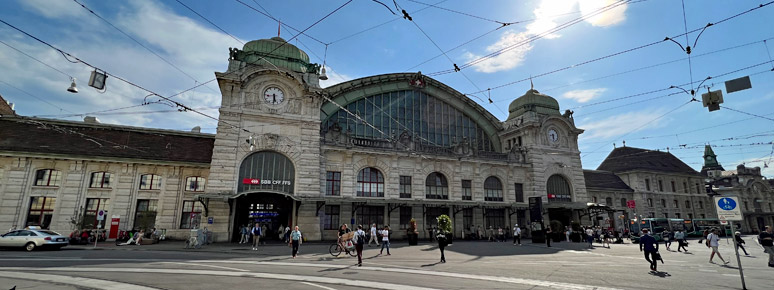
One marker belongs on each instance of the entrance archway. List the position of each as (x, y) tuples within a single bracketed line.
[(265, 193)]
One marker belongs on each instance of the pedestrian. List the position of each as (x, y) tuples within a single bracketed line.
[(704, 235), (490, 234), (500, 234), (666, 235), (516, 234), (681, 243), (295, 240), (651, 248), (373, 236), (286, 234), (385, 240), (442, 243), (548, 237), (480, 233), (713, 242), (590, 237), (244, 233), (360, 237), (343, 237), (766, 239), (567, 233), (473, 235), (740, 242), (263, 233), (256, 232)]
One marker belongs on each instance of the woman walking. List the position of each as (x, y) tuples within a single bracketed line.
[(739, 242), (295, 241), (442, 243)]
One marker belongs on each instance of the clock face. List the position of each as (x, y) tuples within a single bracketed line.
[(709, 158), (274, 96), (553, 136)]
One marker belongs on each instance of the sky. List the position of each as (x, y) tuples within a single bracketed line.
[(606, 60)]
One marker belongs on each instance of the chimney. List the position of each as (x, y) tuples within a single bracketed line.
[(196, 129), (91, 119)]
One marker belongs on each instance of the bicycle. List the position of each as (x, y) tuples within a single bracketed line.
[(336, 250), (193, 242)]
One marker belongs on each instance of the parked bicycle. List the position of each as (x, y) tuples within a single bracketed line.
[(194, 240)]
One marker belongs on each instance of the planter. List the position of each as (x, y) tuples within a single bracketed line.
[(449, 238), (576, 237), (412, 239)]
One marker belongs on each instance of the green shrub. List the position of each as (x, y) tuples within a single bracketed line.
[(444, 223)]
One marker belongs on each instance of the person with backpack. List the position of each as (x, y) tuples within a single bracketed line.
[(295, 241), (256, 232), (516, 234), (244, 234), (360, 240)]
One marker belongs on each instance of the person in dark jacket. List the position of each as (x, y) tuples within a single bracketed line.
[(650, 246), (442, 243), (740, 242)]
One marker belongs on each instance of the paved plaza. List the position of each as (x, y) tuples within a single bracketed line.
[(471, 265)]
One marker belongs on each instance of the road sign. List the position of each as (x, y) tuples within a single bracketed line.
[(728, 208), (210, 220), (101, 215), (630, 204)]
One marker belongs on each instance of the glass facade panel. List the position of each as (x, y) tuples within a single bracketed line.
[(429, 120), (93, 206), (100, 180), (467, 190), (558, 189), (333, 183), (145, 216), (192, 215), (41, 211), (367, 215), (405, 186)]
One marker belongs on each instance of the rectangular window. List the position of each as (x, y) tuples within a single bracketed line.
[(367, 215), (675, 204), (100, 180), (660, 185), (405, 186), (145, 216), (519, 190), (701, 204), (651, 214), (405, 217), (685, 187), (687, 204), (41, 211), (677, 215), (194, 183), (467, 218), (673, 186), (150, 182), (698, 189), (467, 190), (647, 184), (47, 177), (690, 216), (746, 207), (330, 218), (703, 216), (432, 213), (93, 206), (521, 216), (495, 218), (333, 183), (192, 215)]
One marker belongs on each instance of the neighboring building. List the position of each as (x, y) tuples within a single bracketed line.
[(755, 192), (664, 186), (607, 189), (382, 149), (6, 108)]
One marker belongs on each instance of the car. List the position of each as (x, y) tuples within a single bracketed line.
[(32, 238)]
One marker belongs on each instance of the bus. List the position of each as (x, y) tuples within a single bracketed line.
[(655, 225), (699, 225)]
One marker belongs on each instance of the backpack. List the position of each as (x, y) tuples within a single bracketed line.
[(360, 239)]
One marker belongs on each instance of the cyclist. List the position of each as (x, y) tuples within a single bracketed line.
[(342, 231)]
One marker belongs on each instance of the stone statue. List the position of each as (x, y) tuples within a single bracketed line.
[(568, 114)]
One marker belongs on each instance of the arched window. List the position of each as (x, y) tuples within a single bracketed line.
[(558, 189), (493, 189), (195, 183), (150, 182), (623, 202), (436, 186), (370, 182), (47, 177), (609, 201)]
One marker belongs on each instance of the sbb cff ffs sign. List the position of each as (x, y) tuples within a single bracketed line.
[(630, 204), (258, 181)]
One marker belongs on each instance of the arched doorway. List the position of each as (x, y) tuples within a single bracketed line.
[(559, 194), (265, 194)]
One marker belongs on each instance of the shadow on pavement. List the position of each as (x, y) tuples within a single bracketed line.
[(660, 274)]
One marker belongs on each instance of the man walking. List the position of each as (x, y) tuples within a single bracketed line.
[(516, 234), (548, 237), (256, 236), (373, 236), (295, 241), (360, 238), (713, 242), (740, 242), (650, 246), (590, 237), (244, 233), (680, 237), (767, 241), (385, 240)]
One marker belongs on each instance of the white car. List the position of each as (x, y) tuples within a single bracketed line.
[(32, 238)]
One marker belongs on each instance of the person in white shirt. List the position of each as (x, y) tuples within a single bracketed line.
[(590, 237), (385, 239), (712, 242), (516, 234), (373, 236)]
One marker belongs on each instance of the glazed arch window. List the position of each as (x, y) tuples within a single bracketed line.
[(493, 189), (558, 189), (195, 183), (150, 182), (100, 180), (48, 177), (370, 182), (436, 186)]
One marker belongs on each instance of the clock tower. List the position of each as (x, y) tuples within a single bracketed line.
[(711, 166)]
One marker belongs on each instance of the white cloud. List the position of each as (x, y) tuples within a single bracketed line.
[(505, 60), (618, 125), (55, 9), (333, 78), (546, 15), (582, 96)]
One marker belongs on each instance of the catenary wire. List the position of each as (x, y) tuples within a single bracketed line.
[(35, 59), (208, 21), (36, 97)]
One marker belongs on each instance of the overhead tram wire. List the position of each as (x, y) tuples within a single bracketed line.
[(746, 113), (138, 42), (380, 25), (288, 26), (624, 51), (35, 59), (210, 22), (502, 23), (36, 97), (534, 37)]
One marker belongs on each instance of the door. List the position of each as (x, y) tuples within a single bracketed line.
[(761, 223), (7, 239)]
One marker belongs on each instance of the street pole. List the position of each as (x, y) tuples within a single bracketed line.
[(738, 260)]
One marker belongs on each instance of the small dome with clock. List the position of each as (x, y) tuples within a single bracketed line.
[(533, 100)]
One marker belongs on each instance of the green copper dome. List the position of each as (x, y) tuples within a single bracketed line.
[(533, 101), (286, 56)]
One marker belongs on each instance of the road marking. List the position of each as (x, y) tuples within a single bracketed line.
[(709, 271), (317, 285), (296, 278), (202, 265), (533, 282), (80, 282)]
